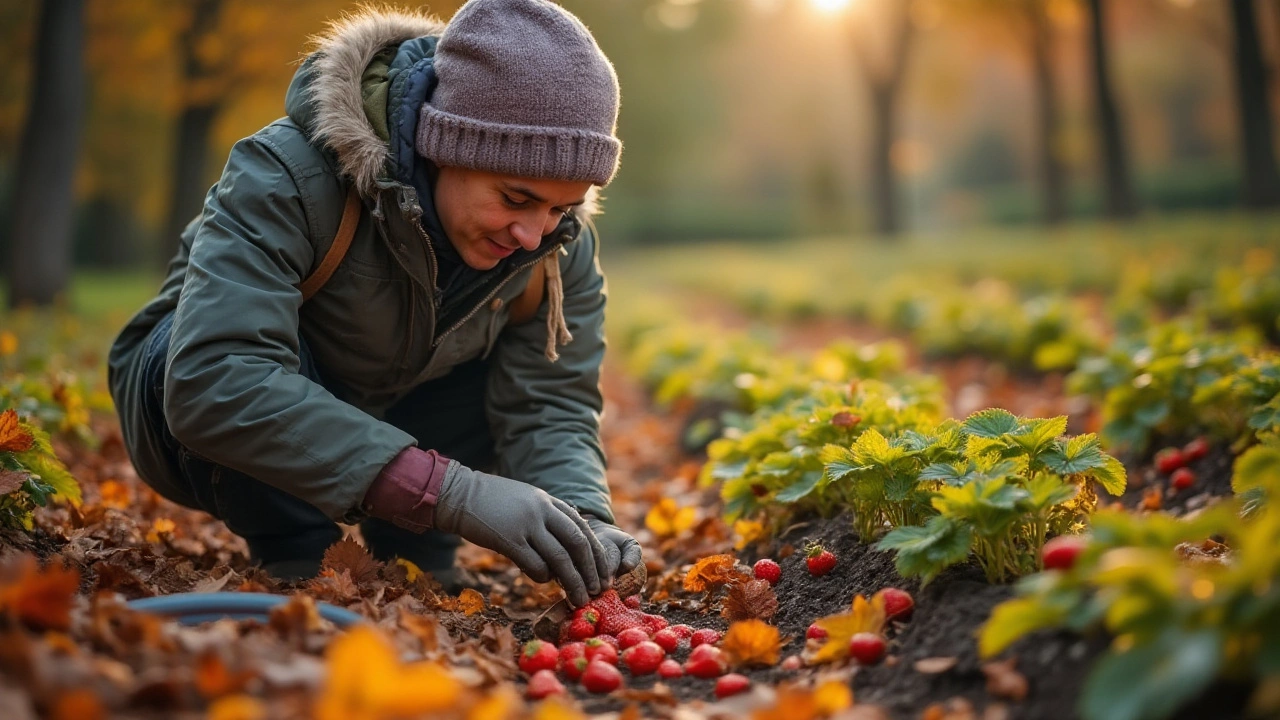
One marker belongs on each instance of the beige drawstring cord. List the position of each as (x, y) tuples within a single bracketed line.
[(557, 328)]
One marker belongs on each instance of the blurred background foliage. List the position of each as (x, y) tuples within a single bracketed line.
[(742, 119)]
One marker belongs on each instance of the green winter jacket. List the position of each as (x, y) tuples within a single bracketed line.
[(232, 390)]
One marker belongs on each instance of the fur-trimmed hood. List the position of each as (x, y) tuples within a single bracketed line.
[(327, 95)]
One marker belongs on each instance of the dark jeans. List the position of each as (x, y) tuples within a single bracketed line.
[(446, 415)]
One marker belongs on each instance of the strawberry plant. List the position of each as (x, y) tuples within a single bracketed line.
[(1016, 484), (1180, 619)]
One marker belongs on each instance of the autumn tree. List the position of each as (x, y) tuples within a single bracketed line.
[(39, 269), (1118, 200), (1257, 149)]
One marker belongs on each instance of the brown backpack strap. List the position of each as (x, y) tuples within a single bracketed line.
[(525, 307), (338, 250)]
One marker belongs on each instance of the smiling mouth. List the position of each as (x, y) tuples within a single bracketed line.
[(499, 250)]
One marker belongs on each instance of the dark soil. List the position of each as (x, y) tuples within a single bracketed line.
[(1213, 481)]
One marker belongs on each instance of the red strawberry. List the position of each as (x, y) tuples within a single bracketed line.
[(574, 668), (538, 655), (542, 684), (845, 419), (792, 662), (609, 639), (632, 601), (1183, 478), (667, 639), (767, 569), (706, 661), (1169, 459), (670, 669), (569, 651), (815, 633), (653, 623), (615, 616), (632, 636), (644, 658), (819, 560), (684, 631), (1060, 553), (867, 648), (577, 629), (598, 649), (1196, 449), (731, 684), (897, 603), (705, 636), (601, 677)]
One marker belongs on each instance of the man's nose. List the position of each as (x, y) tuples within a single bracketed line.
[(527, 234)]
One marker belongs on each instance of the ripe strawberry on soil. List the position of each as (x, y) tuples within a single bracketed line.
[(819, 560), (632, 601), (542, 684), (538, 655), (1196, 449), (897, 603), (705, 636), (601, 677), (731, 684), (613, 616), (1060, 553), (767, 569), (706, 661), (1170, 459), (815, 633), (667, 639), (644, 658), (867, 648), (670, 669), (632, 636), (597, 649), (684, 631), (574, 667), (1182, 478)]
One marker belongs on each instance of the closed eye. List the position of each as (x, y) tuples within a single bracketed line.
[(512, 202)]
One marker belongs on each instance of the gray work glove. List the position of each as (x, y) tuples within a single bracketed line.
[(622, 552), (545, 537)]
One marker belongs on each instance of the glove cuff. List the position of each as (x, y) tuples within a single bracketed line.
[(406, 491)]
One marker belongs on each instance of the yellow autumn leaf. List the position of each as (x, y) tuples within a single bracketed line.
[(8, 343), (237, 707), (866, 616), (751, 642), (366, 681), (162, 527), (748, 532), (832, 697), (666, 519), (711, 572), (497, 704), (13, 437), (553, 708), (411, 572)]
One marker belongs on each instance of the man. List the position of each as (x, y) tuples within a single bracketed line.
[(470, 154)]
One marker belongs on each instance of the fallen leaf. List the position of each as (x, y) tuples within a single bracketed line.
[(935, 665), (237, 707), (12, 480), (660, 694), (334, 586), (115, 494), (667, 519), (13, 437), (555, 708), (832, 697), (77, 704), (411, 572), (8, 343), (469, 602), (349, 555), (751, 642), (713, 571), (41, 597), (1152, 499), (750, 600), (1003, 681), (161, 528), (748, 532), (296, 618), (866, 616), (365, 679), (214, 680)]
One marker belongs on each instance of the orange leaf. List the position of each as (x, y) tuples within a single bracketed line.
[(115, 494), (712, 572), (77, 704), (42, 597), (237, 707), (367, 680), (866, 616), (13, 438), (752, 642), (666, 519), (214, 680), (349, 555), (468, 602)]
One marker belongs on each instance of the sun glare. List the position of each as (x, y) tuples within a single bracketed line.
[(830, 6)]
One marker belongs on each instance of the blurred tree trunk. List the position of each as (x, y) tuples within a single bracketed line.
[(884, 84), (1118, 200), (1053, 203), (201, 105), (44, 201), (1261, 181)]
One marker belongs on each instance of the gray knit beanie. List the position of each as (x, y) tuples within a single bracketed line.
[(523, 90)]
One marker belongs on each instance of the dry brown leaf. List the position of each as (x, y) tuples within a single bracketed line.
[(214, 680), (751, 642), (349, 555), (935, 665), (295, 618), (713, 571), (750, 600), (12, 437), (424, 627), (11, 480), (41, 597), (77, 704), (469, 602), (1152, 499), (660, 694), (1003, 681), (334, 586), (115, 494)]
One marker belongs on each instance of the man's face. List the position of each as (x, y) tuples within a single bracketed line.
[(488, 216)]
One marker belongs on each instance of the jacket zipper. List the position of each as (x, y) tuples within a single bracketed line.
[(435, 343)]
